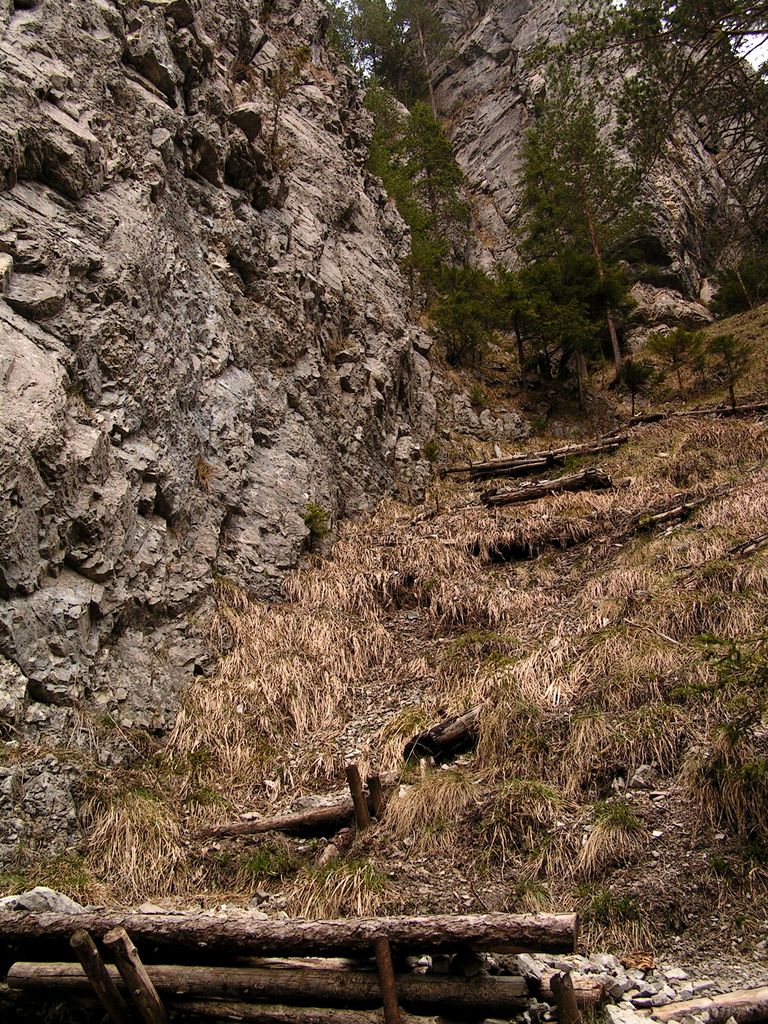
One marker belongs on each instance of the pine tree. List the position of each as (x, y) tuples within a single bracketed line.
[(577, 194), (731, 356), (677, 349), (637, 377)]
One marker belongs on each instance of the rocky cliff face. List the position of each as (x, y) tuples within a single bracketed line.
[(486, 94), (203, 327)]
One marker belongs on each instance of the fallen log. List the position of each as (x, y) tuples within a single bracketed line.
[(587, 479), (513, 933), (679, 511), (284, 1014), (319, 821), (525, 463), (720, 410), (745, 1006), (449, 738), (749, 547), (340, 988)]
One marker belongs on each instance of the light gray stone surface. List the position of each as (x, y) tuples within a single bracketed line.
[(176, 291)]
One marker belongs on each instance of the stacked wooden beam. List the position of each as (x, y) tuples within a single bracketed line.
[(292, 991)]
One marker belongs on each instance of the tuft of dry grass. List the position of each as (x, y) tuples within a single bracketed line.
[(616, 838), (521, 811), (429, 814), (352, 888), (135, 843)]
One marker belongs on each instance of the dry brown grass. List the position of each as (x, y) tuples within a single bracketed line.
[(428, 816), (589, 660), (352, 888), (616, 838), (135, 845)]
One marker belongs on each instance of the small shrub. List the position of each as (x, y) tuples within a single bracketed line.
[(477, 397), (204, 473), (432, 450), (317, 519)]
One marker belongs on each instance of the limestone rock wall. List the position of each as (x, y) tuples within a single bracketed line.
[(203, 327)]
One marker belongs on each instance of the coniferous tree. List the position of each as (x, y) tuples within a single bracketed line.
[(637, 377), (665, 63), (577, 194), (676, 349), (731, 356)]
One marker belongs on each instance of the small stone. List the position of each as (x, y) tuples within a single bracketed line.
[(6, 269), (34, 297), (676, 974)]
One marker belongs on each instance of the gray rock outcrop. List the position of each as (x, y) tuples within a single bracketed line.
[(204, 327)]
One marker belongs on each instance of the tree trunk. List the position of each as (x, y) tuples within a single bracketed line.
[(679, 374), (581, 373), (520, 352), (425, 62), (342, 988), (517, 933), (601, 276), (320, 821), (588, 479), (731, 392), (447, 739), (613, 334), (745, 1006)]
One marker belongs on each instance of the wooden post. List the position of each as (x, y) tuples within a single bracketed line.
[(98, 975), (387, 980), (355, 783), (137, 981), (376, 792), (565, 999)]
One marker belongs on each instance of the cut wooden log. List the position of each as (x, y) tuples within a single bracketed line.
[(359, 799), (319, 821), (340, 988), (749, 547), (284, 1014), (589, 991), (565, 998), (238, 934), (134, 975), (745, 1006), (447, 739), (387, 980), (376, 792), (99, 978), (587, 479), (526, 463)]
